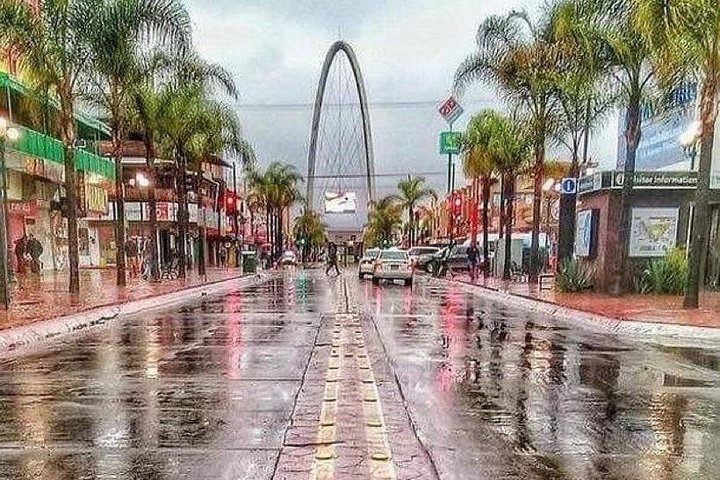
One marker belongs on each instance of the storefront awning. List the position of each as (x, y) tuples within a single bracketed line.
[(45, 147), (9, 82)]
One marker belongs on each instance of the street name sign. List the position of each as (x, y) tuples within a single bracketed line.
[(450, 143)]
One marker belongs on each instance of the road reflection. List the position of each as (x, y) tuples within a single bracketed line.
[(548, 400), (181, 394)]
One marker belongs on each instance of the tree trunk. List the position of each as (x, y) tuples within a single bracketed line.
[(67, 129), (152, 206), (632, 140), (72, 218), (269, 229), (698, 239), (566, 228), (411, 227), (202, 271), (474, 210), (121, 277), (486, 227), (501, 220), (509, 194), (183, 214), (537, 207), (279, 233)]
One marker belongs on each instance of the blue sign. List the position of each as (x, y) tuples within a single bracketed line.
[(568, 186)]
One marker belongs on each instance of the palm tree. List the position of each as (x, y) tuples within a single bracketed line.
[(167, 70), (384, 219), (584, 96), (148, 120), (607, 30), (520, 57), (684, 37), (220, 134), (412, 192), (278, 186), (479, 165), (52, 44), (309, 230), (507, 144), (116, 66), (186, 114)]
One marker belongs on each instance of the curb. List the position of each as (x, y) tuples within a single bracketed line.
[(22, 337), (645, 331)]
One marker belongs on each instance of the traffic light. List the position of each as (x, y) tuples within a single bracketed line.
[(190, 182), (230, 203)]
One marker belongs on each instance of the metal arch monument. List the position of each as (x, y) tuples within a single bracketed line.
[(335, 49)]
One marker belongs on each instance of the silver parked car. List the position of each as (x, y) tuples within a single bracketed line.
[(367, 262), (393, 264)]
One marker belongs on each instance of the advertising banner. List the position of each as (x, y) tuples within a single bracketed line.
[(340, 202)]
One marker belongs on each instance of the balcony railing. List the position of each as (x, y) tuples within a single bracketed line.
[(51, 149)]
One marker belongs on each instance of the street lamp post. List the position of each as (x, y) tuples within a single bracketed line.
[(10, 134)]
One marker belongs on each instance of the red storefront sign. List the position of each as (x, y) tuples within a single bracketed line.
[(23, 209)]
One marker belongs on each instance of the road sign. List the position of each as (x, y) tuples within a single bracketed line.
[(450, 110), (450, 143), (568, 186)]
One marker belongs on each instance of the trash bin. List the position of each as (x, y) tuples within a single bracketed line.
[(249, 261)]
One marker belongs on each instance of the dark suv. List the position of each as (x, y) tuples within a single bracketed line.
[(457, 260)]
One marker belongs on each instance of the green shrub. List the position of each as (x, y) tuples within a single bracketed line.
[(575, 276), (667, 275)]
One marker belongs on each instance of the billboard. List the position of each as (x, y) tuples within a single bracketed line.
[(661, 129), (340, 202)]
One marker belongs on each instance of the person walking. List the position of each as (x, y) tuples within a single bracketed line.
[(20, 250), (473, 256), (332, 259), (131, 254), (223, 254), (35, 250)]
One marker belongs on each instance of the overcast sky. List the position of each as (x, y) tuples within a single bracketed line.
[(408, 52)]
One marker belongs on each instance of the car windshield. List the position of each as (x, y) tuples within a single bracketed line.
[(372, 253), (417, 251), (393, 255), (459, 250)]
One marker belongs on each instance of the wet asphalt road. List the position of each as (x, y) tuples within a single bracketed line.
[(305, 377)]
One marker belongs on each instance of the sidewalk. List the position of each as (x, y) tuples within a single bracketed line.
[(41, 298), (664, 309)]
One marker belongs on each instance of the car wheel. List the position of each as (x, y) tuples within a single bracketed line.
[(375, 281), (408, 282), (361, 276)]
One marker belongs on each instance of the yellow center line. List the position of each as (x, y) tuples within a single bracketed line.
[(324, 461), (381, 464)]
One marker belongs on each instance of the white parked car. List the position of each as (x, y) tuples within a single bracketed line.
[(288, 258), (393, 265), (367, 262)]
